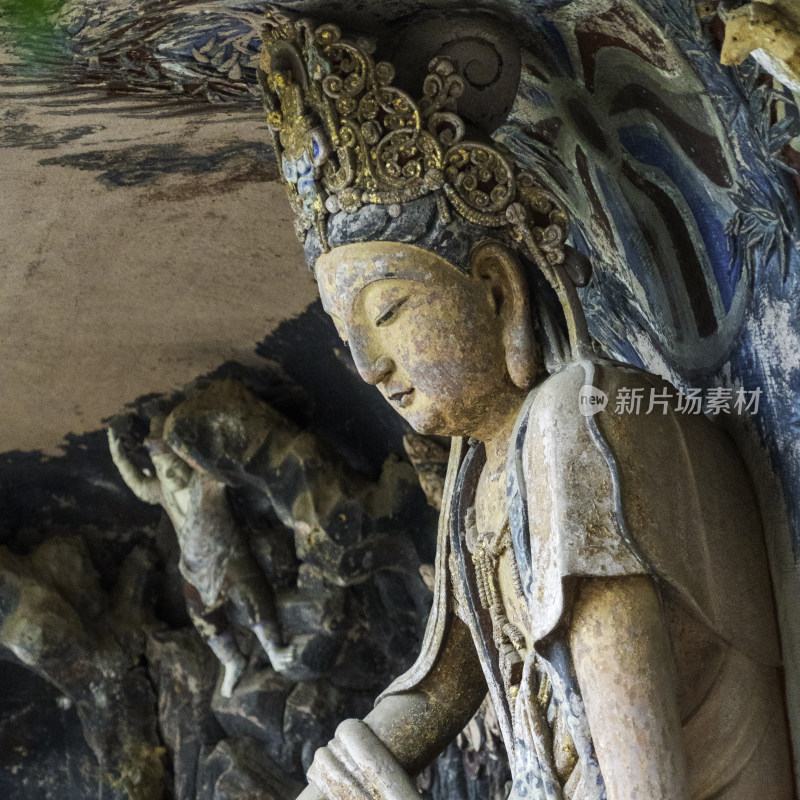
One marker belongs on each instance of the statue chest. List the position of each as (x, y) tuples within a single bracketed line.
[(488, 538), (491, 599), (495, 574)]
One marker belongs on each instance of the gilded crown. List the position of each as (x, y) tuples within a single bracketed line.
[(345, 136)]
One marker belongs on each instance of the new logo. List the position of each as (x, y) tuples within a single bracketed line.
[(591, 400)]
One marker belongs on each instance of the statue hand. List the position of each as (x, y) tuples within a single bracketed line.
[(115, 446), (145, 488), (356, 765)]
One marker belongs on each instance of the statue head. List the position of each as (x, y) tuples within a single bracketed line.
[(219, 427), (443, 344), (443, 265)]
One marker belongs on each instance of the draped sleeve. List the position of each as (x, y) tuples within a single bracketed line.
[(663, 494)]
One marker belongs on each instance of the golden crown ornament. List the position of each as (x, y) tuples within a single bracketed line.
[(345, 136)]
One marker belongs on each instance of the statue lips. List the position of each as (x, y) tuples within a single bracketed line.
[(402, 399)]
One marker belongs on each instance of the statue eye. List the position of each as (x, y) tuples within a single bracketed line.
[(386, 314)]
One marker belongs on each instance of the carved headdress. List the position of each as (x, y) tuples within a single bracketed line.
[(363, 160)]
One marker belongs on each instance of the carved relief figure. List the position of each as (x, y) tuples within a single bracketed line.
[(769, 31), (602, 575), (336, 549), (218, 569), (335, 529)]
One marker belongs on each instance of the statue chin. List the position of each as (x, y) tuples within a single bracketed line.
[(428, 422)]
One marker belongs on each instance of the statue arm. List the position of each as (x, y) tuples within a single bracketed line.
[(412, 727), (626, 671), (146, 489), (416, 726)]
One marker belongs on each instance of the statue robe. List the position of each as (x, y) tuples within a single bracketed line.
[(662, 494)]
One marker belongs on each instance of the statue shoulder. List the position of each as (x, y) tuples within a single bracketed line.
[(585, 388), (564, 483), (604, 411), (635, 483)]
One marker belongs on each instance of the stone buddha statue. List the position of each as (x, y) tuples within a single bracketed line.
[(601, 574)]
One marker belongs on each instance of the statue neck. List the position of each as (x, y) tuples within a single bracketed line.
[(496, 433)]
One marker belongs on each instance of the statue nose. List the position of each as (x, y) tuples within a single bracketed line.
[(370, 363), (374, 372)]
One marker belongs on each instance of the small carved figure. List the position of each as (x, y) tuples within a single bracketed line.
[(336, 551), (769, 31), (216, 563), (222, 439), (603, 575)]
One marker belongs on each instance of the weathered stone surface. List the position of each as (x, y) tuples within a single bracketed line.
[(184, 672), (56, 619), (43, 753), (256, 710), (312, 712), (242, 769), (272, 546)]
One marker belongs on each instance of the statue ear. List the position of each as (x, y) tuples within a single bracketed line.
[(498, 266)]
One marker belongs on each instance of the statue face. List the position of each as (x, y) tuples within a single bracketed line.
[(427, 335)]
